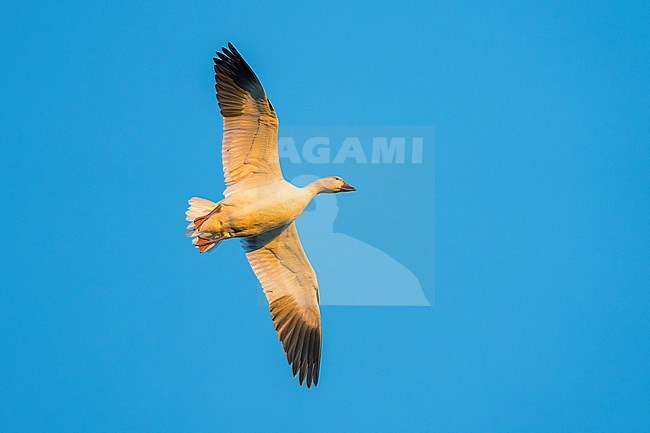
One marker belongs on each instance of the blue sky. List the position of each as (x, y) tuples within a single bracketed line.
[(110, 321)]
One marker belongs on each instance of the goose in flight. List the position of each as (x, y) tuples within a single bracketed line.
[(259, 207)]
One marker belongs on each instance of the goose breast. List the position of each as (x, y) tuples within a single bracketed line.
[(255, 211)]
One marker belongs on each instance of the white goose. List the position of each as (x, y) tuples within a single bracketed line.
[(260, 207)]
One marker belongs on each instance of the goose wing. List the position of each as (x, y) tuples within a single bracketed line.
[(290, 285), (250, 125)]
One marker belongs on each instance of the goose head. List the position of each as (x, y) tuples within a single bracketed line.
[(332, 184)]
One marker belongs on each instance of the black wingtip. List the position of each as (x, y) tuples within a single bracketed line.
[(228, 61)]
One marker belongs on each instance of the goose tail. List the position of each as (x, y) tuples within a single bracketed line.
[(197, 213)]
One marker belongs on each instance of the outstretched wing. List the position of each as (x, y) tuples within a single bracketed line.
[(290, 285), (250, 126)]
